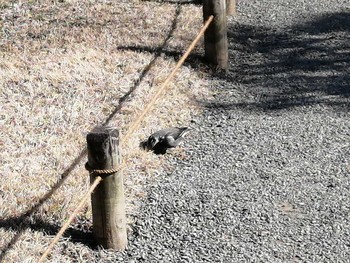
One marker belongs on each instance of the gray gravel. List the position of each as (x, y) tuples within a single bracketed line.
[(266, 177)]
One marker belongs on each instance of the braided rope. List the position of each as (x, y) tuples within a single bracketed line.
[(105, 171)]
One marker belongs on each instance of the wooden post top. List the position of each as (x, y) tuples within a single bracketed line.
[(102, 146), (103, 131)]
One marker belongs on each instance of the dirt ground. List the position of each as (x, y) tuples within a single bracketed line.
[(65, 67)]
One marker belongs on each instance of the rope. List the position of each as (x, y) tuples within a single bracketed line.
[(70, 219), (162, 88), (131, 130), (105, 171)]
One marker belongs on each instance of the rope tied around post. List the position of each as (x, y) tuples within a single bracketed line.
[(104, 171)]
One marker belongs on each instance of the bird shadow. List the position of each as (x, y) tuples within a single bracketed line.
[(158, 149)]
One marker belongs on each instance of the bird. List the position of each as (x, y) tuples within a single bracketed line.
[(163, 139)]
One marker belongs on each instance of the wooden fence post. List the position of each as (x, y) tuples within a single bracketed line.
[(108, 201), (215, 37), (231, 7)]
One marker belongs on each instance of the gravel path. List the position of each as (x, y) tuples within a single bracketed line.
[(265, 178)]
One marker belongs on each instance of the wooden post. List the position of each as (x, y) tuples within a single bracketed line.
[(231, 7), (108, 201), (215, 38)]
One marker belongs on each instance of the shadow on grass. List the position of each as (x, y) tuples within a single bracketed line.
[(194, 60), (28, 220), (304, 65), (157, 52), (19, 224), (79, 233)]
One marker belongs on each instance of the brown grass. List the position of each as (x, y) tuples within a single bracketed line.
[(64, 66)]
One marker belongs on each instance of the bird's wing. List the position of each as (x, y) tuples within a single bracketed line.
[(174, 132)]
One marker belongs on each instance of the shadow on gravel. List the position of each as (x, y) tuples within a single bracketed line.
[(302, 65)]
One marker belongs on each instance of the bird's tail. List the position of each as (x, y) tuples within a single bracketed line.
[(184, 131)]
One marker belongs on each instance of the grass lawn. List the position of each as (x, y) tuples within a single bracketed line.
[(65, 67)]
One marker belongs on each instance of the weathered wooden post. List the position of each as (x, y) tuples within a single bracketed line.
[(231, 8), (215, 37), (108, 201)]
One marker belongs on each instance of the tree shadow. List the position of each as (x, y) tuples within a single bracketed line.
[(25, 220), (304, 65)]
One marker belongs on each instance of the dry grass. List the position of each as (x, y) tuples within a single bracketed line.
[(64, 66)]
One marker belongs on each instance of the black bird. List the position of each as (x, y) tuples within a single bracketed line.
[(161, 140)]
